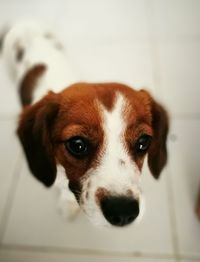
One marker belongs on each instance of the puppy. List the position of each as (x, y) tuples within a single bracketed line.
[(97, 135)]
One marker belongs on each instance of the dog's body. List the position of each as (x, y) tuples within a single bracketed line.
[(37, 64), (99, 134)]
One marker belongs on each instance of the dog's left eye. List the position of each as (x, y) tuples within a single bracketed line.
[(77, 146), (143, 143)]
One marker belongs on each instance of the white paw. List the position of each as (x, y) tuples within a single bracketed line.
[(67, 204)]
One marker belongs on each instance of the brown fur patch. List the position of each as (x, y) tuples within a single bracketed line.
[(137, 114), (157, 155), (198, 205), (100, 194), (29, 83), (81, 115), (146, 116), (34, 132), (78, 118)]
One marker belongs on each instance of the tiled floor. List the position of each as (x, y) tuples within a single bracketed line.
[(151, 43)]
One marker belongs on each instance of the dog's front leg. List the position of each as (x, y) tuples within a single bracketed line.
[(67, 204)]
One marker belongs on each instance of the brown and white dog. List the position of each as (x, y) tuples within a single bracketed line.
[(97, 134)]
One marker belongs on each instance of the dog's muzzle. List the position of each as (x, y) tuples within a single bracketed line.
[(120, 211)]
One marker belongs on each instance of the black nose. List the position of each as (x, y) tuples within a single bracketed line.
[(120, 211)]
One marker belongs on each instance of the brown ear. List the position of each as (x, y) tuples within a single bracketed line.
[(157, 156), (34, 131)]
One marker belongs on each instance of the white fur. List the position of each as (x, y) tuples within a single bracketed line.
[(39, 49), (67, 204)]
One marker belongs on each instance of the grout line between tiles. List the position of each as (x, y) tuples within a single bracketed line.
[(127, 39), (153, 45), (8, 117), (89, 252), (173, 222), (189, 258), (11, 195)]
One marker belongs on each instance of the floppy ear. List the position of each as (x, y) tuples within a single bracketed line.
[(157, 155), (34, 131)]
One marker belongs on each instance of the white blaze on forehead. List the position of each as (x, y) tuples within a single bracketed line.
[(114, 126), (114, 175)]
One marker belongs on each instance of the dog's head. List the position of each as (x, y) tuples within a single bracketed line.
[(100, 134)]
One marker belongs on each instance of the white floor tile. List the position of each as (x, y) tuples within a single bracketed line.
[(9, 101), (34, 221), (99, 21), (84, 22), (127, 63), (24, 256), (12, 11), (180, 78), (9, 153), (184, 167), (176, 17)]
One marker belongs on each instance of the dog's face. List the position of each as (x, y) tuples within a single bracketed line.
[(100, 134)]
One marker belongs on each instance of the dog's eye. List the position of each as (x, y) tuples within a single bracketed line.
[(143, 143), (77, 146)]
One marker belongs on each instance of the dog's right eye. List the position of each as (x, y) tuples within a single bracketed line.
[(77, 146), (143, 144)]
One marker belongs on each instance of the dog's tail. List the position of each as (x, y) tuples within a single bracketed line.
[(3, 32)]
